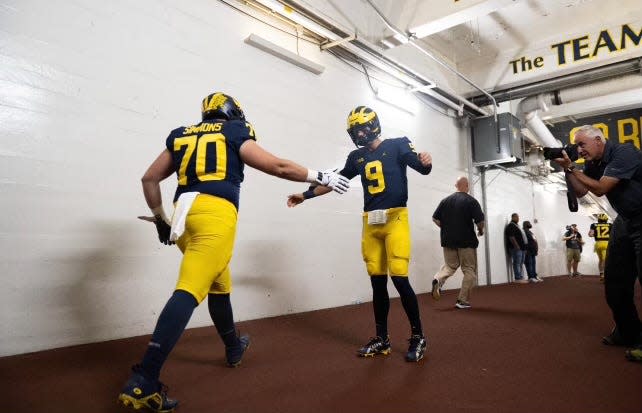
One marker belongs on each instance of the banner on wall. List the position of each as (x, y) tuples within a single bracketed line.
[(562, 55), (624, 126)]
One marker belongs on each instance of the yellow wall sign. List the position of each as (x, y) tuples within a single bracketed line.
[(625, 126), (589, 46)]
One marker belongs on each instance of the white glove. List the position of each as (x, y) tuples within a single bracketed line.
[(338, 183)]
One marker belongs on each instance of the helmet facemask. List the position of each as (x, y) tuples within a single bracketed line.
[(363, 126)]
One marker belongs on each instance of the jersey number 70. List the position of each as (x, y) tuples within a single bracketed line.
[(192, 142)]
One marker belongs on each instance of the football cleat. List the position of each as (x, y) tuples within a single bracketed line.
[(234, 354), (634, 354), (141, 393), (417, 348), (375, 346)]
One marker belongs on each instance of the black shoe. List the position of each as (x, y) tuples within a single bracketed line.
[(235, 353), (616, 339), (375, 346), (436, 290), (417, 348)]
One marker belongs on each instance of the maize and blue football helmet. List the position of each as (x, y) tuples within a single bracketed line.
[(602, 218), (221, 106), (363, 119)]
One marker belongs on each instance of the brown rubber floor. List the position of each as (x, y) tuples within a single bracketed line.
[(521, 348)]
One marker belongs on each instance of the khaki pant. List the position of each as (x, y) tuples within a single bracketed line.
[(466, 258)]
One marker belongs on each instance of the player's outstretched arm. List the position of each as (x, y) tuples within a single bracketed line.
[(258, 158), (296, 199)]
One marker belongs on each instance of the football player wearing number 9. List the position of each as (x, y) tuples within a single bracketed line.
[(208, 159), (385, 243)]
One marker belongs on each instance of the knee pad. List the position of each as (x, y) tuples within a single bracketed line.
[(398, 266)]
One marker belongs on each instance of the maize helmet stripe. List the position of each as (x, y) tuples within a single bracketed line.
[(363, 125), (360, 116), (221, 105)]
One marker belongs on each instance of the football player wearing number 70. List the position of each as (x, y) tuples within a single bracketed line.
[(208, 159), (385, 243)]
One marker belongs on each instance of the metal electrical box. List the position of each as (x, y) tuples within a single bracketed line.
[(498, 142)]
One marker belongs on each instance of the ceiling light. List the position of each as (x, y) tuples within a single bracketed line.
[(281, 53)]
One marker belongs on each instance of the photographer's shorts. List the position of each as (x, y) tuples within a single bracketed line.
[(386, 247), (207, 245), (573, 254)]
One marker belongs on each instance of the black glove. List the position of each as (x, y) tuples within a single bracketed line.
[(163, 230)]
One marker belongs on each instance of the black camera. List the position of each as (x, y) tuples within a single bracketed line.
[(554, 153)]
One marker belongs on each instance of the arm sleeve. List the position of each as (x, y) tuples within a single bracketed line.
[(240, 132), (413, 161), (437, 214), (625, 162), (349, 171), (408, 156), (477, 213)]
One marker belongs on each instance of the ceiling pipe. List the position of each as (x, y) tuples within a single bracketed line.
[(613, 70), (527, 109), (410, 40)]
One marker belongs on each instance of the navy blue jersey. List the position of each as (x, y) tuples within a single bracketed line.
[(383, 172), (207, 159), (601, 231)]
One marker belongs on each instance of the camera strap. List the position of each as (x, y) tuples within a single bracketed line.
[(570, 195)]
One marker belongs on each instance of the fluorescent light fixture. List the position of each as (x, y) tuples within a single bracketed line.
[(401, 39), (397, 97), (460, 16), (424, 88), (281, 53)]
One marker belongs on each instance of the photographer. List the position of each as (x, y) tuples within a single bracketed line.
[(615, 170), (574, 244)]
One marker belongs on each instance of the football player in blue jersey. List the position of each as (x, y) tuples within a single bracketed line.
[(381, 165), (208, 159), (601, 231)]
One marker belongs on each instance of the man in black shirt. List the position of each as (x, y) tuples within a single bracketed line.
[(574, 243), (530, 259), (515, 240), (455, 216), (615, 170)]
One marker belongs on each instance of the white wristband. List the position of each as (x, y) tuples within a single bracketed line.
[(312, 176)]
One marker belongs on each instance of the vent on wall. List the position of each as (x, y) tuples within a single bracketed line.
[(281, 53)]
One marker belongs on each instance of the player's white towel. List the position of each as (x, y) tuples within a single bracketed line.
[(183, 205)]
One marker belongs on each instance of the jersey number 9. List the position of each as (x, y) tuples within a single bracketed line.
[(374, 172)]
